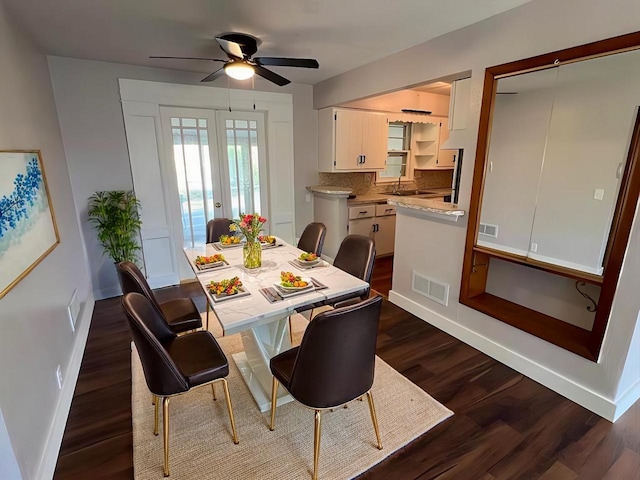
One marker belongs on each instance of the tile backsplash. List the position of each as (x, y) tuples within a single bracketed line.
[(363, 183)]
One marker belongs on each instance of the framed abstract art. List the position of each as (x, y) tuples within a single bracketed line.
[(28, 231)]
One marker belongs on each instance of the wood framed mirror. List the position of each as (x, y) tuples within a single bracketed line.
[(555, 190)]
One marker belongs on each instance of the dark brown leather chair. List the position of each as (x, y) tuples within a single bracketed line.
[(312, 238), (333, 365), (174, 364), (356, 255), (216, 228), (181, 314)]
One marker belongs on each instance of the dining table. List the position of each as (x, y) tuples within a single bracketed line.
[(260, 311)]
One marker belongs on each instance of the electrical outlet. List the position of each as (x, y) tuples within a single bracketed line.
[(598, 194), (307, 197), (59, 377), (534, 247)]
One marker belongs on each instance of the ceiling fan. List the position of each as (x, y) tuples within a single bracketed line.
[(241, 64)]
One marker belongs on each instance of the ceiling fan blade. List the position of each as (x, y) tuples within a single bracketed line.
[(271, 76), (215, 75), (287, 62), (232, 49), (191, 58)]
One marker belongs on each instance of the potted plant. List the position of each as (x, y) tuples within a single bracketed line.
[(115, 216)]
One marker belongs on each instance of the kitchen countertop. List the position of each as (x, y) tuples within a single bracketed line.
[(436, 208), (330, 190), (383, 197)]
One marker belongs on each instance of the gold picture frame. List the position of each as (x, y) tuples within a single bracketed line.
[(28, 229)]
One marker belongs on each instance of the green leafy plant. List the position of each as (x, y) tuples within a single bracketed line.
[(115, 216)]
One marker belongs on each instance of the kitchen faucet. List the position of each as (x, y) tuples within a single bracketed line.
[(399, 187)]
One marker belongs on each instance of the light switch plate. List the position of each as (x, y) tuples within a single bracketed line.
[(598, 194), (534, 247)]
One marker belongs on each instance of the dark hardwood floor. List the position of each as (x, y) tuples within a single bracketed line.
[(505, 426)]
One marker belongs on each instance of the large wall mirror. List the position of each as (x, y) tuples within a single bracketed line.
[(555, 189)]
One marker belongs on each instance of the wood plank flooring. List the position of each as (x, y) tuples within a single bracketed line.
[(505, 426)]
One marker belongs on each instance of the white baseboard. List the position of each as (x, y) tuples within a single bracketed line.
[(581, 395), (52, 444), (626, 400)]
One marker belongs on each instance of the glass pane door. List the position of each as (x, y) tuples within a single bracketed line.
[(193, 170), (193, 173), (244, 151)]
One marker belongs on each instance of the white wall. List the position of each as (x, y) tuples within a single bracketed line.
[(534, 28), (88, 103), (36, 334)]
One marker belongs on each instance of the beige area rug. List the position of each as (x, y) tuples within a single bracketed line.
[(200, 439)]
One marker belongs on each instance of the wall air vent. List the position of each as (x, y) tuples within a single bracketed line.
[(488, 230), (430, 288)]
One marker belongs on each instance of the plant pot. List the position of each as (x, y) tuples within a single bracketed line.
[(252, 256)]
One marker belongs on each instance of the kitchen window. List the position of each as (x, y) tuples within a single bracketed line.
[(397, 163)]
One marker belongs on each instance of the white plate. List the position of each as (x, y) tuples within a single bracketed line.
[(307, 262), (296, 289), (209, 266), (222, 297), (230, 245)]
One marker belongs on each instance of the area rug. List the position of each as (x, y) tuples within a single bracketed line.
[(200, 439)]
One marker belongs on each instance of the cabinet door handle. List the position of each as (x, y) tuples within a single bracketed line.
[(364, 158)]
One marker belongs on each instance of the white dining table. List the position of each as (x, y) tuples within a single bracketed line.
[(263, 325)]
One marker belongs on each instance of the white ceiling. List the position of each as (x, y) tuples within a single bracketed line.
[(340, 34)]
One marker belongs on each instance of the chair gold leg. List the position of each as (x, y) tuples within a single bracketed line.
[(165, 433), (213, 390), (274, 401), (316, 443), (153, 399), (374, 418), (233, 422), (156, 413)]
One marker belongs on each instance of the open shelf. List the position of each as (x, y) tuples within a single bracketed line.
[(548, 267), (562, 334)]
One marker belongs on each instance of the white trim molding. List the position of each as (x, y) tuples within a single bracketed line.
[(49, 458), (581, 395)]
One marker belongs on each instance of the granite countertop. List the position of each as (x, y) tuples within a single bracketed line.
[(383, 197), (330, 190), (448, 211)]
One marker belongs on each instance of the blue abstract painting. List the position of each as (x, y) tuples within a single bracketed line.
[(27, 226)]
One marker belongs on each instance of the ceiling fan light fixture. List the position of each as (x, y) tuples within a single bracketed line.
[(239, 70)]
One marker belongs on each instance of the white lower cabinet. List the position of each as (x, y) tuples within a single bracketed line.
[(377, 222), (385, 234)]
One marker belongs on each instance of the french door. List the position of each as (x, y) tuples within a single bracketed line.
[(216, 169)]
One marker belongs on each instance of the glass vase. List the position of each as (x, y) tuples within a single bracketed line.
[(252, 256)]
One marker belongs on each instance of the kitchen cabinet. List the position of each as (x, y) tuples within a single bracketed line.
[(459, 104), (351, 140), (377, 222), (426, 140)]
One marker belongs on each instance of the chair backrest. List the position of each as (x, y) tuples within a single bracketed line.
[(356, 256), (336, 359), (132, 280), (217, 227), (150, 332), (312, 238)]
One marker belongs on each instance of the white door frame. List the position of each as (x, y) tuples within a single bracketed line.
[(278, 108)]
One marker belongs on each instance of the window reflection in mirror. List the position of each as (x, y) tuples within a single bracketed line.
[(559, 139)]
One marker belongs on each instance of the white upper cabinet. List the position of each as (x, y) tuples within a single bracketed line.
[(459, 103), (351, 140)]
